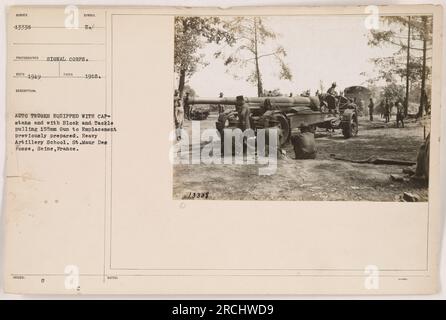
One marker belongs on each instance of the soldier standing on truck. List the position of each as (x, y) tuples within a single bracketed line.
[(243, 112), (178, 114), (332, 90), (332, 101)]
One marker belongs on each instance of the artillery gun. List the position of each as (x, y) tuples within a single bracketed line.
[(284, 113)]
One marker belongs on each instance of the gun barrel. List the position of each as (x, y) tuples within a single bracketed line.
[(222, 101), (256, 101)]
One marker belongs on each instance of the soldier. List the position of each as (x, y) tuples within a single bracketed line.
[(304, 144), (306, 93), (178, 114), (267, 105), (371, 107), (331, 99), (186, 106), (387, 109), (399, 114), (221, 107), (243, 112), (392, 109), (332, 90), (425, 102), (382, 108), (360, 104)]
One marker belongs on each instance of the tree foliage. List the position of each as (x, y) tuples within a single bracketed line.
[(411, 38), (396, 36), (251, 38), (192, 34)]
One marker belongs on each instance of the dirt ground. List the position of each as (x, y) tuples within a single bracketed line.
[(321, 179)]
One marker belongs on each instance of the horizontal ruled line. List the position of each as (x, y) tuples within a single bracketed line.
[(59, 77), (63, 27), (42, 60), (217, 275), (58, 43)]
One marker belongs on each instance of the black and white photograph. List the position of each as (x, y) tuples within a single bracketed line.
[(239, 150), (302, 108)]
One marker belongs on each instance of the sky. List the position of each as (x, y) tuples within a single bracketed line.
[(319, 48)]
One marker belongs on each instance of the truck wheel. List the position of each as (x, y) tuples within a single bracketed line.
[(350, 128), (284, 128)]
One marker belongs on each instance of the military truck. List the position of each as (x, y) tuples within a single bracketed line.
[(347, 111), (288, 114)]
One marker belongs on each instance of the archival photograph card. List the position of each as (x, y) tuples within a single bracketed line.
[(249, 150)]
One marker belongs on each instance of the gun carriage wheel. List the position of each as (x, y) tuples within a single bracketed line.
[(350, 126), (283, 126)]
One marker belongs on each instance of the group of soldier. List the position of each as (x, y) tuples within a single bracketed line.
[(386, 107)]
